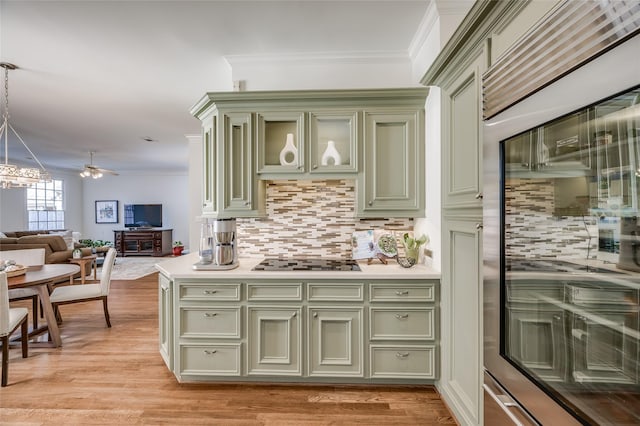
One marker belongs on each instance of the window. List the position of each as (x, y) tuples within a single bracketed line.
[(45, 201)]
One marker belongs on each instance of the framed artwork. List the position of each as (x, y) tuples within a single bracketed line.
[(106, 211)]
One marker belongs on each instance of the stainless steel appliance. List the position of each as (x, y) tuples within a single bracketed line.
[(562, 327), (218, 249)]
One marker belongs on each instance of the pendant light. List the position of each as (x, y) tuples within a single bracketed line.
[(12, 176)]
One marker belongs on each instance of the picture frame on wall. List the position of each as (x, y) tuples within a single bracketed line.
[(106, 211)]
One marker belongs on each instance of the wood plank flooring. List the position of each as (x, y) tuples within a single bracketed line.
[(115, 376)]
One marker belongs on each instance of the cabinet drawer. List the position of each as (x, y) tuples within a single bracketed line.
[(338, 292), (410, 292), (210, 360), (403, 361), (210, 292), (275, 292), (402, 324), (199, 322)]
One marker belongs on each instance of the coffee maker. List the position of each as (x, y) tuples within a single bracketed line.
[(217, 245)]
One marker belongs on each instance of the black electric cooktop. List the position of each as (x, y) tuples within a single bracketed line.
[(303, 264)]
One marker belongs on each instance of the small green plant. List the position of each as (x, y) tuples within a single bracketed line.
[(412, 246), (177, 244)]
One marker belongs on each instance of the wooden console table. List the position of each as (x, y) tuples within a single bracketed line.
[(143, 242)]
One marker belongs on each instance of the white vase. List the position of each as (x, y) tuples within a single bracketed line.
[(331, 153), (289, 148)]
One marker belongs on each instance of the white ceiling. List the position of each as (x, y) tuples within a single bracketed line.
[(102, 75)]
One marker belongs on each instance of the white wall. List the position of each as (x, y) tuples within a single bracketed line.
[(172, 191), (13, 204), (316, 71)]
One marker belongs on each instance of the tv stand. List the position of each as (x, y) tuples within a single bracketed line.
[(143, 242)]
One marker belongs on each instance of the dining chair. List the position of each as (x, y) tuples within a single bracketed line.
[(84, 293), (26, 257), (10, 320)]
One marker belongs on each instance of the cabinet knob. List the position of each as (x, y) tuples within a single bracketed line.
[(402, 354), (370, 203), (479, 196), (247, 203), (525, 164), (557, 317), (295, 314), (402, 316), (315, 315), (208, 352), (210, 314), (479, 226), (315, 166), (402, 292)]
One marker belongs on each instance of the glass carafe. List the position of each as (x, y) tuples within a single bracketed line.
[(206, 242)]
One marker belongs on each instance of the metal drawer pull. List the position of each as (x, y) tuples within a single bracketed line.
[(402, 316), (208, 352), (210, 291), (402, 355), (209, 314), (402, 292)]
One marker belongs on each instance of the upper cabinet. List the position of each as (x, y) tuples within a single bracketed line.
[(375, 137), (392, 178)]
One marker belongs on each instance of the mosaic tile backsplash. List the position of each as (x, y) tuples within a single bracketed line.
[(533, 231), (309, 219)]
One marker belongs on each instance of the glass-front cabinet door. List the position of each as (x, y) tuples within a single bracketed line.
[(571, 259), (333, 141)]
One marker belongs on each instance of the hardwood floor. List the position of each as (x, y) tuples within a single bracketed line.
[(116, 376)]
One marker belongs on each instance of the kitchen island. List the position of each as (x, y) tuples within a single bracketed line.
[(376, 325)]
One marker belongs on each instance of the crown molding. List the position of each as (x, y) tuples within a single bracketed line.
[(425, 28)]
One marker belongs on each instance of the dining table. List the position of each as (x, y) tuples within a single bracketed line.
[(42, 277)]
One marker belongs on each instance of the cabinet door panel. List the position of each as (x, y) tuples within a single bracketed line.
[(391, 182), (209, 168), (403, 361), (335, 346), (274, 341), (461, 138), (205, 322), (238, 174)]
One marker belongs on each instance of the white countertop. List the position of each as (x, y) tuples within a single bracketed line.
[(181, 268)]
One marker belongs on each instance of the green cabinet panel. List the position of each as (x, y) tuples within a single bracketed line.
[(391, 183), (209, 166)]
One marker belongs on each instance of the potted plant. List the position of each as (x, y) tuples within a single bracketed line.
[(412, 247), (177, 248)]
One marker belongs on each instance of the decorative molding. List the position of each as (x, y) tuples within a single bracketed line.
[(425, 28)]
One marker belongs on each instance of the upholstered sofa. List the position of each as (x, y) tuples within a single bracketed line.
[(56, 249)]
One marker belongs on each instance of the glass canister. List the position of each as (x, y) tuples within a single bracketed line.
[(206, 242)]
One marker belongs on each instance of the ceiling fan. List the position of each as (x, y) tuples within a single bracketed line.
[(90, 170)]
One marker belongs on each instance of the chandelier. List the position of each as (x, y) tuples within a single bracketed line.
[(12, 176)]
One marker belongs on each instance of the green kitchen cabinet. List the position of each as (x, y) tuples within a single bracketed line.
[(274, 131), (391, 182), (333, 141), (375, 136), (300, 330), (165, 317), (336, 341), (209, 166), (240, 188), (229, 187)]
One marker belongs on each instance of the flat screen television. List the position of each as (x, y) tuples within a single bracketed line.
[(143, 215)]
